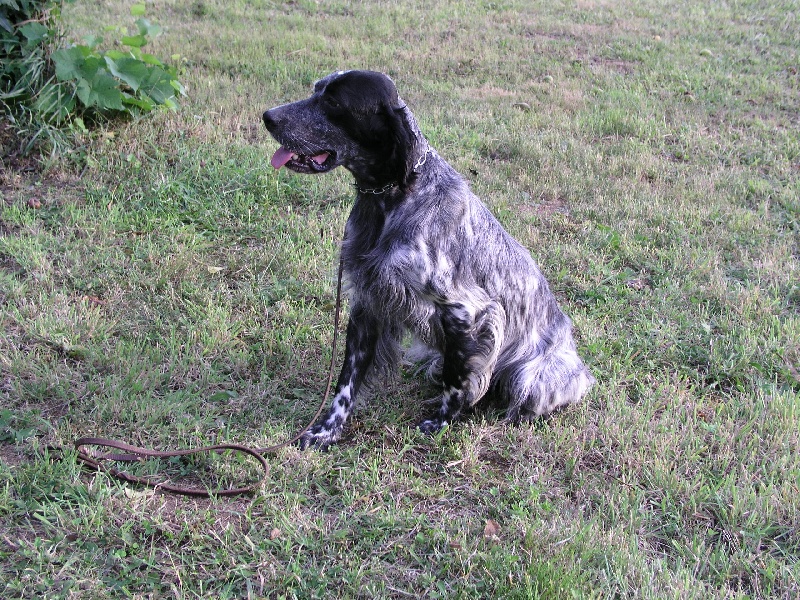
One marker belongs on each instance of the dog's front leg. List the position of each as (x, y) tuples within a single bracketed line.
[(472, 344), (359, 353)]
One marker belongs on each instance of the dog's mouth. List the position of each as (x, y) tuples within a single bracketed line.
[(303, 163)]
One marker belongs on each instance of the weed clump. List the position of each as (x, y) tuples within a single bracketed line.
[(49, 91)]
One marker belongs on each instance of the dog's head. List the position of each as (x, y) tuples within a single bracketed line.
[(353, 119)]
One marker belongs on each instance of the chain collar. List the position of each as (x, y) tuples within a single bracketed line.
[(378, 191), (422, 159)]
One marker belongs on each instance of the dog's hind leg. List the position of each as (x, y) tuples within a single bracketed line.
[(362, 338), (472, 341)]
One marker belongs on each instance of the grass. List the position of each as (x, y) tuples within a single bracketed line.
[(166, 287)]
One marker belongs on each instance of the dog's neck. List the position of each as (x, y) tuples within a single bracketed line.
[(424, 153), (420, 152)]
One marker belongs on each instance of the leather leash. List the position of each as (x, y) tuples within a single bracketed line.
[(129, 453)]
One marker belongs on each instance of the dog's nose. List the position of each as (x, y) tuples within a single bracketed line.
[(268, 120)]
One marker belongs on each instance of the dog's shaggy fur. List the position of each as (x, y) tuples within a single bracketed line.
[(422, 254)]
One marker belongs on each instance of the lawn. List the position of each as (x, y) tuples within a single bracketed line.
[(163, 285)]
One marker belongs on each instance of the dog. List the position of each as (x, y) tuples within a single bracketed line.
[(423, 255)]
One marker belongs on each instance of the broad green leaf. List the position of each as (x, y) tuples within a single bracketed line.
[(178, 87), (73, 63), (147, 28), (117, 54), (135, 41), (142, 102), (131, 71), (93, 41), (150, 59), (91, 66), (137, 10), (101, 91), (158, 85), (34, 33)]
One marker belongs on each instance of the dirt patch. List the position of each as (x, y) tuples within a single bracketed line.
[(546, 205), (12, 163), (11, 455), (622, 67)]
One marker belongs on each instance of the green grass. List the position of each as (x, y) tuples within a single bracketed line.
[(165, 286)]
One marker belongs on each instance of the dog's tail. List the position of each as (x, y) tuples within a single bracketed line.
[(537, 386)]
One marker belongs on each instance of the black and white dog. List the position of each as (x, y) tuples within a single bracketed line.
[(423, 255)]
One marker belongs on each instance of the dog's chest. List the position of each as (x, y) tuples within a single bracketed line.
[(387, 260)]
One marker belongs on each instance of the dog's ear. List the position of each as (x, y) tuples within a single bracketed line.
[(401, 142)]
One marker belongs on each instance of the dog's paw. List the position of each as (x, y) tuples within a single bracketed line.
[(318, 437), (432, 426)]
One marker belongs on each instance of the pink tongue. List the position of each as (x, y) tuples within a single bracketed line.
[(283, 156), (280, 158)]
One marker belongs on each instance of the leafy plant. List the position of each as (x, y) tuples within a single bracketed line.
[(26, 29), (114, 80), (44, 88)]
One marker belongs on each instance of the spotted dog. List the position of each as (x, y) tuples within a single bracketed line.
[(422, 254)]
